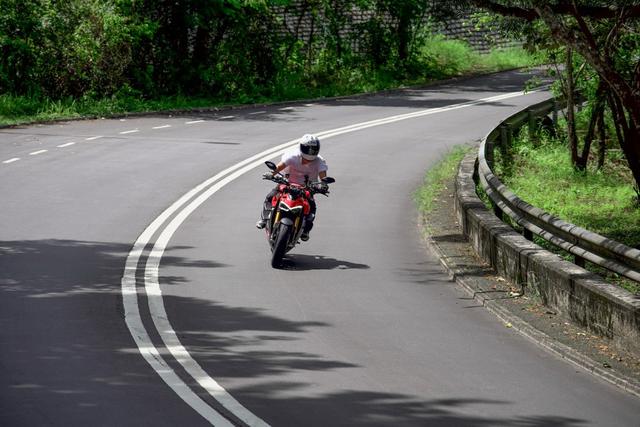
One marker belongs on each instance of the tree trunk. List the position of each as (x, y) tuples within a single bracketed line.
[(621, 90), (629, 137), (602, 148), (404, 29), (588, 139), (571, 119)]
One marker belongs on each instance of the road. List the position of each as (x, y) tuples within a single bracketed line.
[(135, 289)]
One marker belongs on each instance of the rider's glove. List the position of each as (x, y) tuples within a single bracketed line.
[(322, 187), (267, 175)]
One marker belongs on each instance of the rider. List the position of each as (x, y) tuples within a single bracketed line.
[(299, 162)]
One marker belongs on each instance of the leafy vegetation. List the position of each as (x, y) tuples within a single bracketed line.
[(602, 201), (598, 43), (321, 80), (436, 178), (590, 174)]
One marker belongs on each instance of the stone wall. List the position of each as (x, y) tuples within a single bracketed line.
[(298, 20), (573, 292)]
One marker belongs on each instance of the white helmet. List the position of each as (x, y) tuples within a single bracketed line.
[(309, 147)]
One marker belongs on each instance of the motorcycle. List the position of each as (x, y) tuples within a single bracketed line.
[(290, 206)]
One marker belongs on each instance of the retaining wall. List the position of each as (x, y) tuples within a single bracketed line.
[(572, 291)]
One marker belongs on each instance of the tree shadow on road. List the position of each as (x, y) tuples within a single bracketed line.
[(68, 355), (378, 409)]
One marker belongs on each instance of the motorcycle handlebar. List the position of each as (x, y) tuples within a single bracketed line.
[(311, 186)]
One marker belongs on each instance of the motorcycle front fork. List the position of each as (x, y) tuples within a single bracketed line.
[(302, 223)]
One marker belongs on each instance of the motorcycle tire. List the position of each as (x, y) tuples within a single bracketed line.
[(280, 245)]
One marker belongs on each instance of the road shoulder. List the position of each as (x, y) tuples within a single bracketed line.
[(523, 313)]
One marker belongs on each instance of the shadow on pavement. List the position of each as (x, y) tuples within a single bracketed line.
[(318, 262), (363, 408)]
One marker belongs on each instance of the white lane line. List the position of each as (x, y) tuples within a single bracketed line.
[(256, 113), (93, 138), (161, 127), (129, 131), (15, 159), (35, 153), (227, 117), (194, 122), (145, 345), (287, 109), (68, 144), (151, 273)]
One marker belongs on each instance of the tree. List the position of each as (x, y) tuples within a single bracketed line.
[(605, 34)]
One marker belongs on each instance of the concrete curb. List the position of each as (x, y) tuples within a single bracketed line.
[(582, 296), (478, 277), (536, 336)]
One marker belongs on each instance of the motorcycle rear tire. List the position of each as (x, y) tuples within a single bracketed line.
[(280, 246)]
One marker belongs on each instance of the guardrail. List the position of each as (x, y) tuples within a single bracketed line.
[(583, 244)]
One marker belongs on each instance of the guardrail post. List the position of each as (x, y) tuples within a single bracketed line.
[(497, 211), (506, 136), (527, 234), (488, 152), (555, 112), (531, 120)]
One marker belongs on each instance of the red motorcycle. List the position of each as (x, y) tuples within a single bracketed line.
[(290, 206)]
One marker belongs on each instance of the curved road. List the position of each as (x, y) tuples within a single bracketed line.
[(124, 303)]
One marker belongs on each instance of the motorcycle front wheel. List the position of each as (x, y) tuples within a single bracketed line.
[(280, 245)]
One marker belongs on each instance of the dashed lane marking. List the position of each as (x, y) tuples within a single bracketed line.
[(227, 117), (15, 159), (194, 122), (68, 144), (94, 138), (161, 127), (129, 131), (35, 153)]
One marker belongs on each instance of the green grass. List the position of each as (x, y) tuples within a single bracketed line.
[(454, 57), (436, 178), (438, 59), (600, 201)]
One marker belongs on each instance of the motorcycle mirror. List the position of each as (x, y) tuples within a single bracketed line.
[(271, 165), (328, 180)]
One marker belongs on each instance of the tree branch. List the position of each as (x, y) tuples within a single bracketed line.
[(529, 14), (604, 68), (583, 26)]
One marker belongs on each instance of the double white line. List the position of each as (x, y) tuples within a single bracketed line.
[(179, 212)]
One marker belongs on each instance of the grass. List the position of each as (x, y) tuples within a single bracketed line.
[(438, 59), (454, 57), (600, 201), (436, 178)]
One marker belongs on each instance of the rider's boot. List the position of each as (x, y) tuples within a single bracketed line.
[(264, 217), (308, 225)]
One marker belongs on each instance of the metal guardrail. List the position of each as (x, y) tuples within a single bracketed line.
[(583, 244)]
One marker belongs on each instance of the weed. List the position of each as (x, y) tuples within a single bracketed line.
[(436, 177)]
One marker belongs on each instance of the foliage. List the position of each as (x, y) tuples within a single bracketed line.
[(599, 42), (601, 201), (327, 76), (227, 49), (436, 178)]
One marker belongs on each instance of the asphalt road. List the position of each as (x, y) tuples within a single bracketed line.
[(117, 311)]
